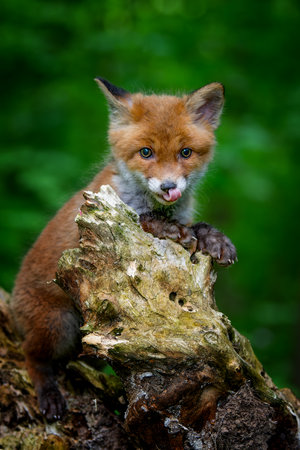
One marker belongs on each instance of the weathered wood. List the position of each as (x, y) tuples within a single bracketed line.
[(192, 381)]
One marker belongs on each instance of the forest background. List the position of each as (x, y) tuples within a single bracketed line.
[(54, 127)]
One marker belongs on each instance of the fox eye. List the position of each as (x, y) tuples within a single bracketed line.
[(186, 152), (146, 152)]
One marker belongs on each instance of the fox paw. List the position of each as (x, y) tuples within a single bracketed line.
[(162, 228), (51, 403), (214, 243)]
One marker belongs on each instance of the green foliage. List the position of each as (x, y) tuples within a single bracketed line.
[(54, 131)]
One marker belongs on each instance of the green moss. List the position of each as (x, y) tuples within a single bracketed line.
[(35, 439), (106, 310), (87, 328), (108, 384), (117, 331)]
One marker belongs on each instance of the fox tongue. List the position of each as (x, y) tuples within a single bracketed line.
[(172, 195)]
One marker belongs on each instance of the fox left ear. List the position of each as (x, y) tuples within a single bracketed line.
[(119, 100), (206, 104)]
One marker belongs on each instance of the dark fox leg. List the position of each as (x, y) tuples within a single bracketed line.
[(163, 228), (200, 236), (52, 334), (51, 402), (214, 243)]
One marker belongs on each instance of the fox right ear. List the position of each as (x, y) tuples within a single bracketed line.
[(206, 104), (119, 100)]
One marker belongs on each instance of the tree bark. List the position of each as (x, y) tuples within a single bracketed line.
[(191, 380)]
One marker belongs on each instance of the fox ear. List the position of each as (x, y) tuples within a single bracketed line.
[(119, 100), (205, 104)]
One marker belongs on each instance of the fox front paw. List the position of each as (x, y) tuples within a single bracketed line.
[(162, 228), (214, 243)]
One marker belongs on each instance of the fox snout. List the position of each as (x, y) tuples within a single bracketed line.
[(167, 185), (167, 191), (172, 193)]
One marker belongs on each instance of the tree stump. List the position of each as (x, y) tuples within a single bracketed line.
[(191, 380)]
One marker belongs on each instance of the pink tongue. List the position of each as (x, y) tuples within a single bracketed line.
[(172, 195)]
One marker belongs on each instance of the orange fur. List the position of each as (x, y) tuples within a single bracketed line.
[(46, 316)]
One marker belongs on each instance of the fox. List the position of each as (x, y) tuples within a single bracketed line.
[(160, 146)]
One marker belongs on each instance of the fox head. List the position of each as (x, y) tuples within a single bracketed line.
[(165, 142)]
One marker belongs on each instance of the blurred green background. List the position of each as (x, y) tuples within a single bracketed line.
[(54, 122)]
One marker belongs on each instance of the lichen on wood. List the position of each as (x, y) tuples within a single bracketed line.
[(150, 312)]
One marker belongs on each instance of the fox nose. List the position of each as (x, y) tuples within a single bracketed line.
[(167, 185)]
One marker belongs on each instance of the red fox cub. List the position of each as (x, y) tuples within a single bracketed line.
[(160, 147)]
